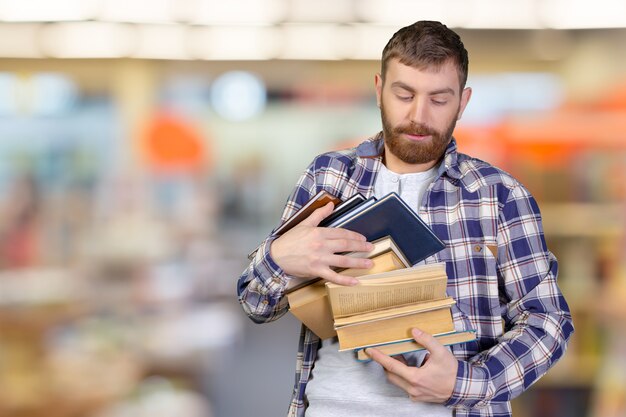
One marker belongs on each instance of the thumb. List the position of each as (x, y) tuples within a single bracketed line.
[(431, 344), (318, 215)]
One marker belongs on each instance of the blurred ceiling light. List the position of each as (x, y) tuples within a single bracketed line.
[(307, 11), (238, 95), (233, 43), (161, 42), (235, 11), (317, 42), (87, 40), (19, 41), (404, 12), (497, 14), (47, 10), (582, 14), (136, 11)]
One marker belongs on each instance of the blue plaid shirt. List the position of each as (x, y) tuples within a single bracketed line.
[(500, 273)]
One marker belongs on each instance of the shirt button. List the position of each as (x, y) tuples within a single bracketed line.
[(478, 248), (265, 302), (394, 179)]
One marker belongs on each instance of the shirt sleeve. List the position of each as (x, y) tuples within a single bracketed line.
[(261, 286), (537, 320)]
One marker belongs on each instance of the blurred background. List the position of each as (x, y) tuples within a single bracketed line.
[(146, 146)]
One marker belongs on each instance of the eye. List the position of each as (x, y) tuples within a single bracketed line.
[(404, 97), (439, 102)]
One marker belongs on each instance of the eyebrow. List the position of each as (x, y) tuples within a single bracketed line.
[(404, 86)]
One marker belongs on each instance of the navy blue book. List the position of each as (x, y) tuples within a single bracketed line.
[(391, 216)]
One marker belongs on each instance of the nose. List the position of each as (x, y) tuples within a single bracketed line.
[(418, 112)]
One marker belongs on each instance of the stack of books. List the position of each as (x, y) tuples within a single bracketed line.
[(383, 309), (392, 297)]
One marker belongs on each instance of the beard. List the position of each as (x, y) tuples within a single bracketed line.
[(416, 152)]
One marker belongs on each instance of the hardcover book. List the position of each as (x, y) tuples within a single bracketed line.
[(391, 216)]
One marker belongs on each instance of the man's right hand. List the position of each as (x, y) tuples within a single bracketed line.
[(310, 251)]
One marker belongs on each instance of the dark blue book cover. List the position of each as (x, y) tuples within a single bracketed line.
[(391, 216)]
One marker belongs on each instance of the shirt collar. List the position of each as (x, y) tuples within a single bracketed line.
[(374, 148)]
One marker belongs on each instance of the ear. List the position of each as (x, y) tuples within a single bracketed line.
[(465, 98), (378, 82)]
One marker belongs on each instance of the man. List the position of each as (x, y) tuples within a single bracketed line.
[(500, 272)]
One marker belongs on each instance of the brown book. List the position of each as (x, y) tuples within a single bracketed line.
[(318, 200), (398, 348), (310, 305), (394, 324), (389, 289)]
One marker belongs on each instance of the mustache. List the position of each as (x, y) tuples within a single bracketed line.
[(418, 129)]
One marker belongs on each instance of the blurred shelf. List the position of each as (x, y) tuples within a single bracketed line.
[(25, 318), (592, 220), (572, 371), (67, 387)]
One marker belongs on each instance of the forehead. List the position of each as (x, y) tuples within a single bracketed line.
[(432, 77)]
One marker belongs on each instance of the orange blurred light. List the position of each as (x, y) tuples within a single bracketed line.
[(170, 143)]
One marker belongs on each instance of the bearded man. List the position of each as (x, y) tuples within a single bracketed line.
[(500, 272)]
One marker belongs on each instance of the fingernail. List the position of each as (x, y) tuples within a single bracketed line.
[(354, 282), (417, 332)]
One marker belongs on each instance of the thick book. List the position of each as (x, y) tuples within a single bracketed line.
[(394, 288), (391, 216), (394, 324), (310, 303), (398, 348)]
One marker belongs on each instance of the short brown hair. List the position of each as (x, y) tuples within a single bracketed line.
[(426, 43)]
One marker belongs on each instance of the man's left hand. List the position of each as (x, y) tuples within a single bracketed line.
[(432, 382)]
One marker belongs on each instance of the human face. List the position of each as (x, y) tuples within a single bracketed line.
[(419, 110)]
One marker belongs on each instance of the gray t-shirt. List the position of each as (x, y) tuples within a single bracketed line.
[(340, 385)]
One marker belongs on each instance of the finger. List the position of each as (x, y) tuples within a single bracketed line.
[(318, 215), (332, 276), (356, 265), (348, 245), (338, 233), (431, 344), (390, 364), (398, 381)]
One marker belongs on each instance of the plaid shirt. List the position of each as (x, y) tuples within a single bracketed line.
[(500, 273)]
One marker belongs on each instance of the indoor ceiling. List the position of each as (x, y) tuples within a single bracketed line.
[(255, 30)]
